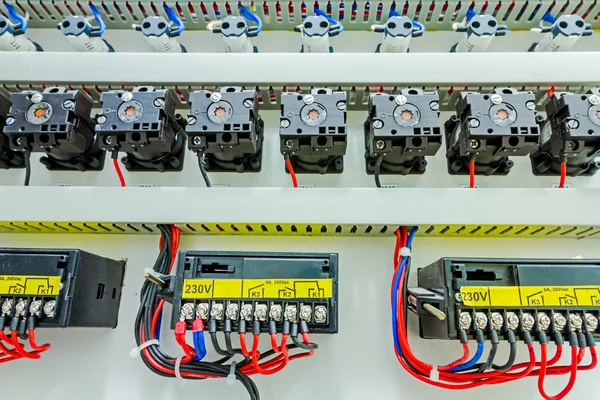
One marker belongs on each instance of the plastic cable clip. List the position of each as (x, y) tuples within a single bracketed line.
[(434, 374), (137, 350), (231, 377), (177, 366), (405, 251)]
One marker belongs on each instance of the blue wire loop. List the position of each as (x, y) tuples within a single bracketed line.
[(16, 17), (199, 345), (334, 23), (175, 18), (547, 17), (471, 362), (249, 15), (99, 19)]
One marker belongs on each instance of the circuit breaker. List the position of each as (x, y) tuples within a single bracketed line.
[(58, 288), (571, 134), (226, 128), (401, 130), (313, 130), (495, 296), (488, 128), (55, 122), (142, 124), (8, 157), (260, 292)]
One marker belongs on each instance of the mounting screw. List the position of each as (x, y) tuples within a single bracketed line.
[(191, 120), (594, 99), (107, 140), (474, 144), (10, 121), (101, 119), (284, 123), (197, 140), (377, 124), (19, 141), (308, 99), (248, 103), (434, 106), (127, 96), (573, 124), (458, 297), (380, 145), (496, 98), (530, 105), (36, 98), (401, 100), (289, 144), (68, 104), (341, 105), (158, 102), (215, 97), (473, 122)]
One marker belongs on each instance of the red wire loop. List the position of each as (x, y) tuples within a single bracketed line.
[(572, 377)]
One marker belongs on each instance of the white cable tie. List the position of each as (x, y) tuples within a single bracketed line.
[(177, 366), (133, 353), (405, 251), (231, 377), (434, 374)]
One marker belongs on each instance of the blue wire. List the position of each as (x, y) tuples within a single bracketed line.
[(395, 291), (16, 17), (331, 20), (246, 13), (548, 18), (99, 19), (158, 325), (471, 362), (470, 14), (393, 13), (199, 345), (175, 18)]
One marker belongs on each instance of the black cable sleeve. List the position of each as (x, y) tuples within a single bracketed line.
[(27, 161), (377, 170), (510, 337), (302, 345), (203, 170), (217, 346)]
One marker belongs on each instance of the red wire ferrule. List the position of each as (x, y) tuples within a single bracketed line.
[(198, 325), (180, 328)]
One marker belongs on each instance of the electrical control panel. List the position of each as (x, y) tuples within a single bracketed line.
[(226, 128), (313, 130), (497, 295), (238, 291), (58, 288), (401, 130), (488, 128), (142, 124), (570, 134), (8, 157), (56, 122)]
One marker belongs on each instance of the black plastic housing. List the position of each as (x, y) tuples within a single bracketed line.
[(257, 265), (90, 286), (8, 157), (440, 282), (65, 130), (570, 133)]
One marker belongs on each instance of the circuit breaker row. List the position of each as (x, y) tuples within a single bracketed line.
[(224, 128)]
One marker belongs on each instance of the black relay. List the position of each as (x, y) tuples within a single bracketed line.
[(488, 128), (8, 157), (56, 122), (142, 123), (401, 130), (225, 127), (571, 134)]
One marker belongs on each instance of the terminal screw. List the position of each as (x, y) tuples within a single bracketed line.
[(276, 312), (573, 124), (20, 307), (127, 96), (187, 311), (308, 99), (496, 98), (497, 321), (481, 320), (591, 322), (50, 308), (7, 307), (380, 144), (512, 320), (594, 99), (291, 313), (465, 320), (528, 321), (305, 313), (68, 104), (231, 312), (216, 311), (543, 321), (36, 98), (474, 122), (401, 100), (575, 321), (215, 97), (202, 311), (320, 314), (246, 312), (260, 312), (559, 321), (35, 307)]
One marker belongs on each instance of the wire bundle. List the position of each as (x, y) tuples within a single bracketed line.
[(191, 364), (466, 373), (17, 349)]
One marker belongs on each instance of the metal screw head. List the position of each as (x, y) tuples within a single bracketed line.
[(434, 106), (377, 124), (320, 314), (276, 312), (543, 321), (284, 123), (289, 144), (458, 297), (49, 308), (158, 102), (530, 105), (36, 98), (127, 96), (191, 120), (35, 307), (474, 122), (528, 321), (19, 141), (591, 321), (496, 98), (187, 311), (202, 311), (246, 312), (341, 105), (465, 320), (101, 119), (107, 140), (215, 97), (474, 144), (572, 124), (291, 313), (401, 100), (248, 103), (575, 321), (260, 312), (216, 311), (231, 312), (481, 320), (10, 121), (308, 99), (594, 99), (559, 321), (20, 307), (380, 145), (512, 320), (497, 321), (7, 306), (197, 140), (68, 104), (306, 313)]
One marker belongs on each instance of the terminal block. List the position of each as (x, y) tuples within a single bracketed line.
[(8, 157), (500, 298), (161, 33), (479, 31), (571, 134), (256, 292), (142, 123), (13, 32), (488, 128), (236, 32), (562, 33), (313, 130), (226, 128), (401, 130), (55, 122), (397, 33), (316, 31), (83, 35), (58, 288)]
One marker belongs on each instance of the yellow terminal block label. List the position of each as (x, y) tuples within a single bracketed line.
[(29, 285), (257, 288), (530, 296)]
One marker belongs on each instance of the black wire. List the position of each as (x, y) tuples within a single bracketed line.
[(27, 161), (230, 348), (511, 359), (304, 346), (215, 343), (203, 170), (377, 169)]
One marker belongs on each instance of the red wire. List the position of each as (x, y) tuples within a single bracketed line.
[(461, 360), (542, 376), (274, 343), (471, 174), (290, 168), (20, 349), (563, 175), (34, 345), (243, 345), (119, 173), (256, 355)]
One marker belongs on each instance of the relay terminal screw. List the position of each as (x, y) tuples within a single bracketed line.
[(575, 321), (320, 314), (528, 321), (380, 144), (231, 312), (276, 312), (481, 320), (216, 311), (289, 143), (197, 140), (543, 321), (260, 312), (246, 312), (7, 306), (497, 321), (305, 313), (512, 320), (49, 308), (559, 321), (35, 307), (591, 322), (291, 313)]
